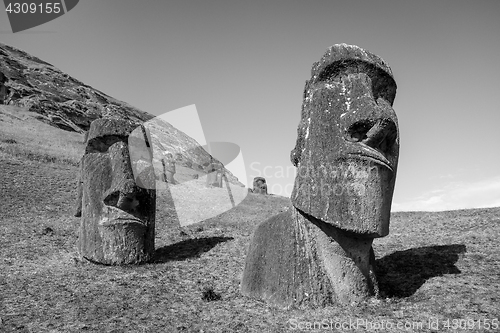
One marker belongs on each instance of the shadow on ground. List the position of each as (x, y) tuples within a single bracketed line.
[(402, 273), (186, 249)]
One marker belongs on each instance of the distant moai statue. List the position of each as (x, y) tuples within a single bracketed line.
[(168, 169), (319, 252), (259, 185), (85, 136), (117, 210), (214, 176)]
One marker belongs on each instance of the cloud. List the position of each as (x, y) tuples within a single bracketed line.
[(456, 195)]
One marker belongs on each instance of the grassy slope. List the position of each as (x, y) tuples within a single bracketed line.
[(433, 265)]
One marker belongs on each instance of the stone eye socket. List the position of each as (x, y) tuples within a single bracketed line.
[(357, 131), (102, 144)]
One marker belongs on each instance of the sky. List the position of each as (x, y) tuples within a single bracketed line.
[(243, 64)]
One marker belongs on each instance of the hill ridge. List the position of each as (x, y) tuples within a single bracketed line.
[(65, 102)]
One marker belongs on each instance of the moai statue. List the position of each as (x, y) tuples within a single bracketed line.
[(320, 252), (259, 185), (168, 169), (85, 136), (117, 209), (214, 176)]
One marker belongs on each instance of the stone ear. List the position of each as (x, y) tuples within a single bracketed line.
[(295, 157), (296, 152)]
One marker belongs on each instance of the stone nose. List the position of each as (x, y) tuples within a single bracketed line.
[(124, 196), (379, 134), (123, 192)]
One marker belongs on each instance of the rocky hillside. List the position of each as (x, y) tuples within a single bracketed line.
[(61, 100), (64, 102)]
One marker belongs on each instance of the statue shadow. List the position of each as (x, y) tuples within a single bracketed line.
[(190, 248), (402, 273)]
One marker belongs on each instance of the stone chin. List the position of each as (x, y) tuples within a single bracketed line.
[(367, 211), (122, 237), (358, 201)]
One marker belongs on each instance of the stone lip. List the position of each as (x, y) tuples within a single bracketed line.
[(372, 155), (121, 220)]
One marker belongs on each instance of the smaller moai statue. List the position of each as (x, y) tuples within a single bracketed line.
[(259, 185), (214, 176), (168, 169), (117, 208)]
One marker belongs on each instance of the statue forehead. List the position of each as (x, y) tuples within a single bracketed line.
[(339, 53), (102, 128), (342, 60)]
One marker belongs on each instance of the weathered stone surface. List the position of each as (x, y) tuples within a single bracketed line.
[(297, 260), (319, 252), (347, 147), (117, 209), (259, 185)]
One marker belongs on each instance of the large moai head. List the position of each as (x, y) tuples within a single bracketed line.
[(117, 208), (348, 142)]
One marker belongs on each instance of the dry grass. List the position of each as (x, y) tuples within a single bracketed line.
[(22, 135), (194, 202), (433, 266)]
